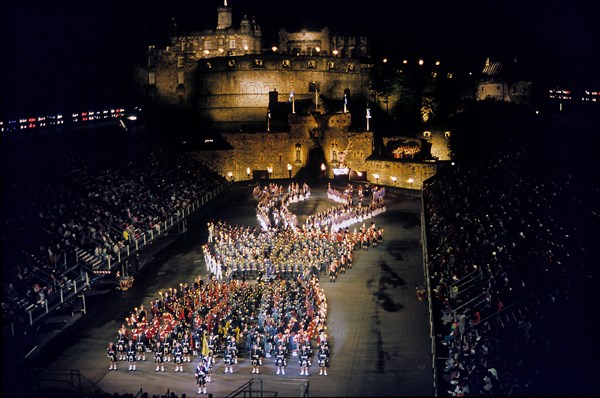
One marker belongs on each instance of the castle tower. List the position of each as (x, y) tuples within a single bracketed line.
[(224, 16), (245, 25)]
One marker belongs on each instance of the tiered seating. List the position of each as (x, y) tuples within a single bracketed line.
[(80, 200)]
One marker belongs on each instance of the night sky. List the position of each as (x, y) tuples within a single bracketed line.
[(70, 55)]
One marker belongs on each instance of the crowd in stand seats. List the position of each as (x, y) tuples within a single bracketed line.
[(508, 260), (95, 191)]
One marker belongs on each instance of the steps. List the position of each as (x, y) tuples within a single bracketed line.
[(93, 262)]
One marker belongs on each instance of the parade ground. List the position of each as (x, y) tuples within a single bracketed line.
[(378, 329)]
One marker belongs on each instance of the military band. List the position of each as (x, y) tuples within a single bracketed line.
[(282, 311)]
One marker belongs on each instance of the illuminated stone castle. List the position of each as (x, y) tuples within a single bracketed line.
[(225, 74), (229, 79)]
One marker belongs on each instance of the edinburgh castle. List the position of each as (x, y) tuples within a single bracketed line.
[(285, 109)]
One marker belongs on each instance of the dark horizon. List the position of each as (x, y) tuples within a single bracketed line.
[(73, 56)]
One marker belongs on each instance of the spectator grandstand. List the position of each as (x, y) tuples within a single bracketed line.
[(510, 259), (76, 203)]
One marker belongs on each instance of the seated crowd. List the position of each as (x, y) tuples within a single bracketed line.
[(97, 202), (507, 260)]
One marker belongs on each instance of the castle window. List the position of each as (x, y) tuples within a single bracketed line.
[(221, 41), (180, 62), (151, 61), (350, 68), (285, 63), (311, 64), (207, 45), (151, 78), (231, 63), (182, 46), (258, 63), (426, 134), (180, 77), (330, 65), (208, 65), (232, 44)]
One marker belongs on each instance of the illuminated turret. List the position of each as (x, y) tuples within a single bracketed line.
[(224, 16)]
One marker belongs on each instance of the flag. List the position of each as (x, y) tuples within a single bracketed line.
[(368, 112), (204, 345), (345, 99), (291, 96), (269, 113)]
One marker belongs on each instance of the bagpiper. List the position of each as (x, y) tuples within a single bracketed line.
[(121, 346), (280, 360), (140, 346), (228, 360), (231, 344), (178, 357), (159, 356), (131, 355), (186, 348), (210, 362), (323, 358), (111, 352), (303, 359), (255, 358), (201, 372)]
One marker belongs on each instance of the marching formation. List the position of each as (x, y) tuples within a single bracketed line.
[(263, 290)]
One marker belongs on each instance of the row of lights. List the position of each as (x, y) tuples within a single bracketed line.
[(52, 120), (421, 62), (394, 179), (269, 170)]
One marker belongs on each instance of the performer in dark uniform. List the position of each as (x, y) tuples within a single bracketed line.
[(201, 372), (303, 359), (178, 357), (121, 346), (159, 356), (231, 344), (167, 348), (111, 352), (131, 355), (323, 358), (280, 360), (140, 346), (255, 358), (228, 360), (186, 347), (210, 363)]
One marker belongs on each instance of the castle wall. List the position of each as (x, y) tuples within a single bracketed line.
[(237, 89), (402, 172), (258, 151)]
